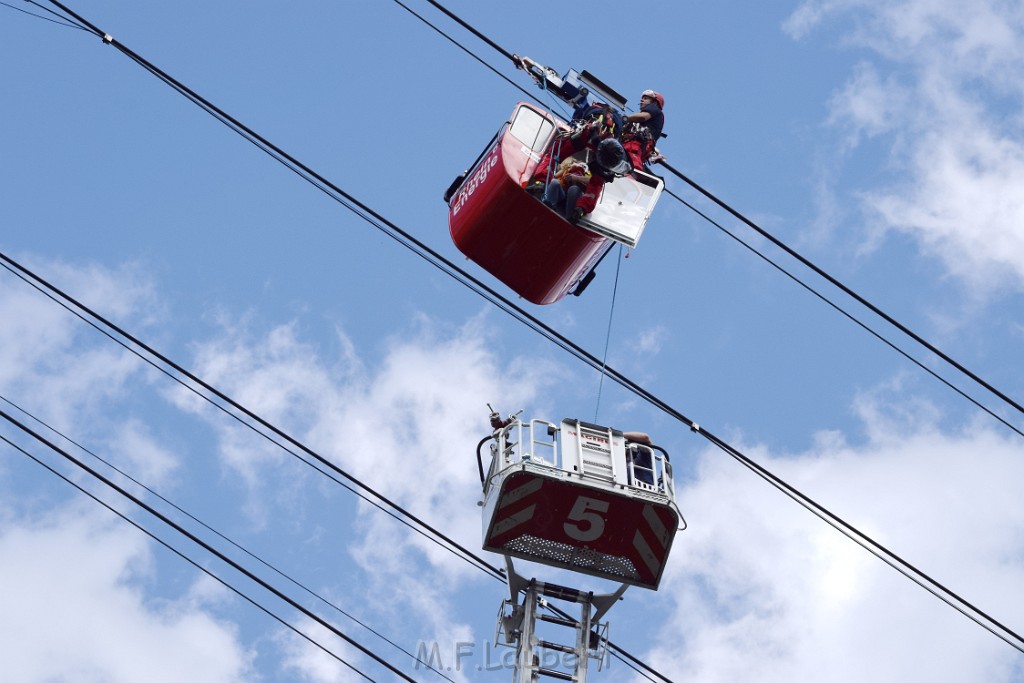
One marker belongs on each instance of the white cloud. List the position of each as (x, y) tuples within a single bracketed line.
[(401, 425), (76, 580), (74, 608), (141, 454), (964, 203), (64, 365), (765, 591), (64, 373), (650, 340), (396, 425), (391, 426), (810, 14), (867, 106), (943, 86), (311, 664)]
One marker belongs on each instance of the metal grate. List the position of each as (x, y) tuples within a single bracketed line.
[(571, 557)]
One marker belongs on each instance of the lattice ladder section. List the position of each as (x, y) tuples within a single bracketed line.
[(540, 657)]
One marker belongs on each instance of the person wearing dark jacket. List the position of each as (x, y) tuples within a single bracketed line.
[(643, 129)]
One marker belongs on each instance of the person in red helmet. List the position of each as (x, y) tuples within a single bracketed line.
[(643, 129)]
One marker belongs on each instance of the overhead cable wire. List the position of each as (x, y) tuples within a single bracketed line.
[(789, 250), (617, 651), (60, 21), (197, 541), (914, 574), (908, 570), (466, 50), (850, 316), (623, 655), (476, 57), (284, 622), (472, 30), (911, 572), (608, 335), (905, 568), (186, 513), (844, 288), (363, 212), (134, 345)]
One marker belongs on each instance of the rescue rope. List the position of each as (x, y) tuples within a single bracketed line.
[(608, 335), (552, 161), (555, 158)]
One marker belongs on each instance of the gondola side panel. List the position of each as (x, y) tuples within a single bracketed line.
[(512, 235)]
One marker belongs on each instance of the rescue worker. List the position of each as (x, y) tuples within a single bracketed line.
[(639, 453), (600, 123), (574, 193), (643, 129)]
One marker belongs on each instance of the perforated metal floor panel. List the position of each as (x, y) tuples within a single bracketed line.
[(571, 557)]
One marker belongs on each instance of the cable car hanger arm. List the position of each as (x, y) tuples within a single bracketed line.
[(573, 88)]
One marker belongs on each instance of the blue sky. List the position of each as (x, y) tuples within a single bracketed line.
[(883, 141)]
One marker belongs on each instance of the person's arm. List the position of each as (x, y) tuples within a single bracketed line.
[(576, 179), (637, 117), (588, 200), (638, 437)]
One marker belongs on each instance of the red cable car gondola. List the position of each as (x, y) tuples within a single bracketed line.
[(519, 240)]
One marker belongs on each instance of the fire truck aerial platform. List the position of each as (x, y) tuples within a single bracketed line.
[(575, 496), (580, 497)]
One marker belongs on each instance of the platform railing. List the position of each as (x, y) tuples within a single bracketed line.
[(650, 470)]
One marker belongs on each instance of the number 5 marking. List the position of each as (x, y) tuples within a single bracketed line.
[(585, 510)]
